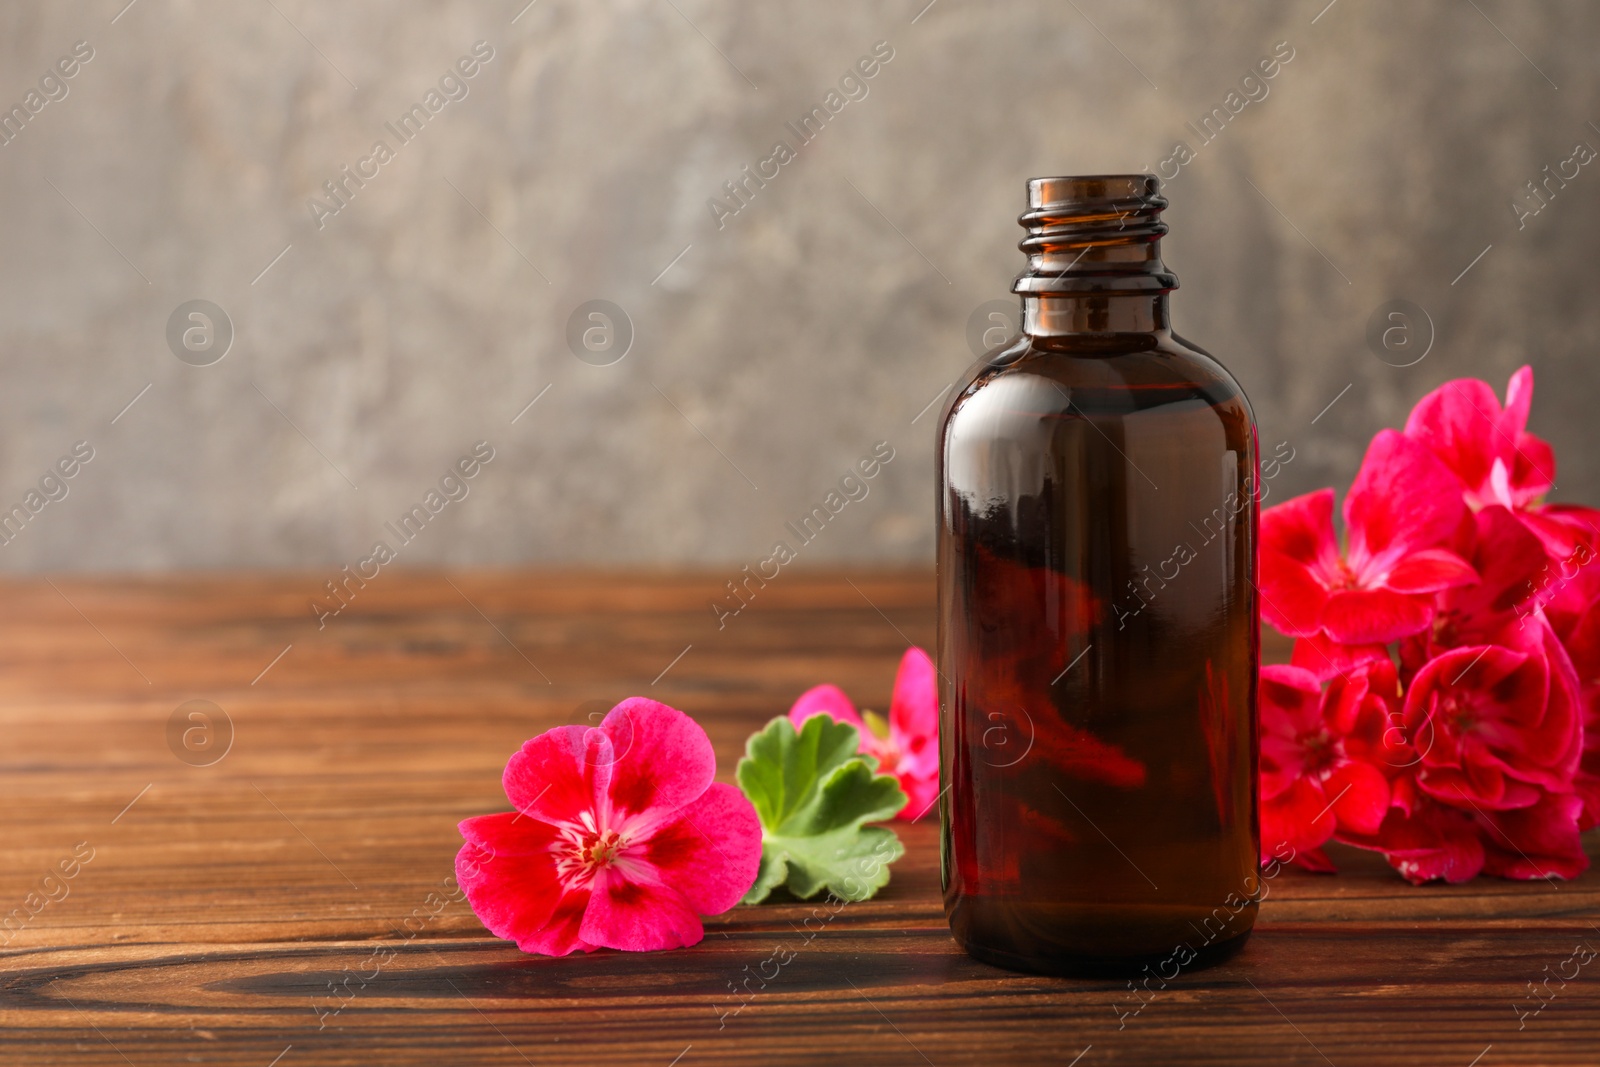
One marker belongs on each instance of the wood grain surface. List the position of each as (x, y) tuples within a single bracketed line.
[(288, 903)]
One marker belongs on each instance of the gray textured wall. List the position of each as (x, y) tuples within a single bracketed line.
[(777, 349)]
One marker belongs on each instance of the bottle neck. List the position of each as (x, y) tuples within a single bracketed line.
[(1094, 257), (1061, 314)]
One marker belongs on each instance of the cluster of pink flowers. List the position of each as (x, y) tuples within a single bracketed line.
[(1446, 668)]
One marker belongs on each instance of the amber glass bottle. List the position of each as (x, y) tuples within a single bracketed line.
[(1098, 635)]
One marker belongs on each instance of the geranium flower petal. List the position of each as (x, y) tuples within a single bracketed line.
[(509, 877), (1565, 713), (1289, 686), (1292, 595), (1327, 658), (1360, 795), (563, 931), (921, 791), (1509, 558), (914, 731), (1585, 529), (1342, 704), (919, 757), (1533, 468), (1299, 817), (1586, 785), (1519, 400), (1289, 698), (1301, 528), (1457, 423), (635, 916), (1311, 859), (1429, 570), (663, 759), (506, 833), (1540, 841), (1433, 842), (560, 774), (1469, 667), (914, 707), (1374, 616), (1480, 779), (710, 853), (1403, 499), (824, 700), (1571, 594), (1562, 528)]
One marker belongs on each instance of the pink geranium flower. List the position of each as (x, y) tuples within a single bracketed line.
[(907, 746), (1313, 782), (1496, 727), (1401, 510), (620, 838), (1497, 461), (1484, 445)]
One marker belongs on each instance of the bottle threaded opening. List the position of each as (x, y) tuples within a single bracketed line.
[(1094, 233)]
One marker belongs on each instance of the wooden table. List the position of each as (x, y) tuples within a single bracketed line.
[(222, 902)]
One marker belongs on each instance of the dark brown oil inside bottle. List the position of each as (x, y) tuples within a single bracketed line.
[(1098, 643)]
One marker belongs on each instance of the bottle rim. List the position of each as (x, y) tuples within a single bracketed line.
[(1094, 233)]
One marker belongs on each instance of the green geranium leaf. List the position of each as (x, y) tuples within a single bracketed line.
[(813, 793)]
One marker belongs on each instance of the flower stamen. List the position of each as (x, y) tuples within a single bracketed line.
[(580, 854)]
